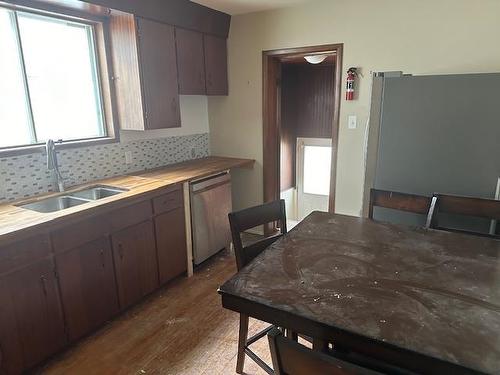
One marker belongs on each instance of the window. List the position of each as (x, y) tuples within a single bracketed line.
[(49, 86)]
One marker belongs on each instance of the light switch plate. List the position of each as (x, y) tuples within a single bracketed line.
[(128, 157), (352, 122)]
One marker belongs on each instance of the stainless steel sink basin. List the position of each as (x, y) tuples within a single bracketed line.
[(72, 199), (97, 192), (54, 204)]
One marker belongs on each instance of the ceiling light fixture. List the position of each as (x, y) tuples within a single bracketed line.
[(315, 59)]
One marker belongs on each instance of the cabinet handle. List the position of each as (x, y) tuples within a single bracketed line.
[(44, 285), (120, 251), (102, 258)]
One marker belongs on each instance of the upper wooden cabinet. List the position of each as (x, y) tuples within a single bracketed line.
[(215, 65), (202, 63), (190, 61), (145, 73)]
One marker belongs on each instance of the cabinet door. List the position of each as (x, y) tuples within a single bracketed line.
[(31, 319), (216, 65), (171, 242), (88, 287), (159, 74), (136, 266), (190, 60)]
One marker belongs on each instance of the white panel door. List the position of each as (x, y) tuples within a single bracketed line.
[(314, 157)]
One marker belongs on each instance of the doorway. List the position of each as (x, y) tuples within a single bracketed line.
[(301, 102)]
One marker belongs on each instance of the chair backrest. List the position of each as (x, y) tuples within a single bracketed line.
[(292, 358), (250, 218), (463, 206), (418, 204)]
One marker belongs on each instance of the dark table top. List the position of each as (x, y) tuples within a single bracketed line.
[(428, 292)]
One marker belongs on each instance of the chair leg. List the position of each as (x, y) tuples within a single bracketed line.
[(291, 335), (242, 342)]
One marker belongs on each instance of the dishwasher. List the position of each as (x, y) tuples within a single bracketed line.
[(210, 204)]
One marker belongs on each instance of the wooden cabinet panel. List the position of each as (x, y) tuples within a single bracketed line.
[(159, 74), (216, 65), (31, 319), (88, 287), (127, 79), (168, 202), (190, 61), (130, 215), (22, 253), (145, 72), (171, 242), (136, 266), (75, 235)]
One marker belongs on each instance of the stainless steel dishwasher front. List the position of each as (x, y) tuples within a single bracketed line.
[(210, 205)]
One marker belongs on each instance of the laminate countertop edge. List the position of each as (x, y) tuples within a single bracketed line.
[(17, 223)]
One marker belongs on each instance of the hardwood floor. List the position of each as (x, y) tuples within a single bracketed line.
[(181, 329)]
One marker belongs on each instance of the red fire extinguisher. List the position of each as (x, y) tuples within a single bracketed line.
[(351, 77)]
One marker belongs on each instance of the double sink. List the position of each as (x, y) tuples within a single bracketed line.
[(73, 199)]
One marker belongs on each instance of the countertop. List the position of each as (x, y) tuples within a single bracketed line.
[(16, 222)]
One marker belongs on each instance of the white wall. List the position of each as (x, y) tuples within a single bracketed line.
[(194, 120), (419, 37)]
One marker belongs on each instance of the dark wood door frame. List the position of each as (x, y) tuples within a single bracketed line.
[(271, 75)]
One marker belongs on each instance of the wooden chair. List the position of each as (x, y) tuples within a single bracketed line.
[(417, 204), (292, 358), (464, 206), (241, 221)]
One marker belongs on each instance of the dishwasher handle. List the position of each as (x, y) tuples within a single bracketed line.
[(210, 182)]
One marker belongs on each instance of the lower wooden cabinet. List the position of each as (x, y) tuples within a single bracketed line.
[(136, 266), (31, 318), (88, 286), (58, 289), (171, 243)]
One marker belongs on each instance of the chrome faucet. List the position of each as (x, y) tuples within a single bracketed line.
[(52, 164)]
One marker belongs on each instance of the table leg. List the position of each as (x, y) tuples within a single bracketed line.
[(320, 345)]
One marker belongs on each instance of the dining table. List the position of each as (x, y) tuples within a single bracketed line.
[(424, 301)]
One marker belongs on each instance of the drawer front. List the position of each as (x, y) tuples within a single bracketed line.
[(168, 202), (80, 233), (24, 253), (127, 216)]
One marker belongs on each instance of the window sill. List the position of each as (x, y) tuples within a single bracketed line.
[(32, 149)]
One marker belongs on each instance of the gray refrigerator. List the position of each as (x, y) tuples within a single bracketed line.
[(435, 133)]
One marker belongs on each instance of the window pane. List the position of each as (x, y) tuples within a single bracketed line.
[(317, 162), (14, 112), (62, 79)]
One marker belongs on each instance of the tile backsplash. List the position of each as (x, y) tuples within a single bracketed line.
[(27, 175)]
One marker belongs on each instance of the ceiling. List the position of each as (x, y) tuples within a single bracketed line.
[(247, 6)]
